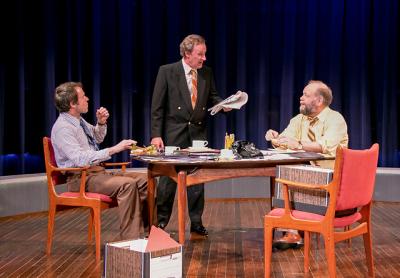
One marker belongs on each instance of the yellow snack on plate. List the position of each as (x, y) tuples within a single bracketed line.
[(149, 150)]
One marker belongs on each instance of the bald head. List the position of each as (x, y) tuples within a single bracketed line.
[(316, 96), (323, 90)]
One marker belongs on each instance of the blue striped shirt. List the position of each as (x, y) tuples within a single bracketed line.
[(70, 143)]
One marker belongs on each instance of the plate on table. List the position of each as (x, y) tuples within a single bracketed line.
[(201, 150)]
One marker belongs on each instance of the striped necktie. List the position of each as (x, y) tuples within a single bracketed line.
[(91, 140), (310, 132), (194, 87)]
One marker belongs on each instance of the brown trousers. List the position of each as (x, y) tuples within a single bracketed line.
[(130, 190)]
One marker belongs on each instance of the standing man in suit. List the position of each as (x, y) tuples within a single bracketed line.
[(182, 93)]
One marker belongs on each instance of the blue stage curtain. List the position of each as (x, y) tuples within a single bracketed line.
[(270, 49)]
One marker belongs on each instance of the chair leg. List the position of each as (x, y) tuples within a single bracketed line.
[(347, 228), (317, 235), (97, 230), (368, 253), (268, 230), (306, 251), (330, 254), (90, 224), (317, 239), (50, 227)]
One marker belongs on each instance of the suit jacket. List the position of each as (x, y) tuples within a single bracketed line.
[(172, 116)]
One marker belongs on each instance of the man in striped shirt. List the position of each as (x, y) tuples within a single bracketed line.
[(317, 128)]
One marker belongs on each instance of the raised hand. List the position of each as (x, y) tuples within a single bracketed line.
[(102, 115)]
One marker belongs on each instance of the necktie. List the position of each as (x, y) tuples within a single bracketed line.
[(311, 133), (194, 87), (90, 138)]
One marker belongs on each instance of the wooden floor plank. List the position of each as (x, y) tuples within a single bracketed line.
[(234, 247)]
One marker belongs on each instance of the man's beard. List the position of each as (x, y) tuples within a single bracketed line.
[(305, 110)]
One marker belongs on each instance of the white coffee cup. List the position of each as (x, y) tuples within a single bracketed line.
[(199, 143), (226, 154), (169, 150)]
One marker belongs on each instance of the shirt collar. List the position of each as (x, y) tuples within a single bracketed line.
[(187, 68), (71, 119), (323, 114)]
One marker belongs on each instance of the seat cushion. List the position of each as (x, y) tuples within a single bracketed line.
[(302, 215), (102, 197)]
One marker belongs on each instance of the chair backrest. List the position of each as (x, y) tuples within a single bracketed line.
[(358, 177), (51, 163)]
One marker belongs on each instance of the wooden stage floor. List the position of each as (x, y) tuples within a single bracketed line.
[(233, 249)]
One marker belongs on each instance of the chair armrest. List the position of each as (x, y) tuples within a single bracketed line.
[(113, 164), (302, 184), (75, 169), (83, 170), (288, 183)]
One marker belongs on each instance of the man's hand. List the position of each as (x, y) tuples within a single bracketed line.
[(271, 134), (102, 115), (287, 143), (121, 146), (158, 142)]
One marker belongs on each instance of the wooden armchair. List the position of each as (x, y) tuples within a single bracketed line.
[(94, 201), (352, 187)]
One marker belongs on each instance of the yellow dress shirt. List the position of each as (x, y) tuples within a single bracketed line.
[(330, 132)]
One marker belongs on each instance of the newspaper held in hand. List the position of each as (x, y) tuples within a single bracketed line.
[(235, 101)]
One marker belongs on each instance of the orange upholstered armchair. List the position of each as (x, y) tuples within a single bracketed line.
[(352, 187), (94, 201)]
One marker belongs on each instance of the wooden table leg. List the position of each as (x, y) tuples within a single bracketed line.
[(181, 205), (151, 185)]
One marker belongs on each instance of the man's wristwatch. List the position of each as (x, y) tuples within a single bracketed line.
[(300, 146)]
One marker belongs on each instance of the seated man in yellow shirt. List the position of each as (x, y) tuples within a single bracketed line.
[(316, 129)]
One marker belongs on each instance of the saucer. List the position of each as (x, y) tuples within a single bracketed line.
[(199, 149)]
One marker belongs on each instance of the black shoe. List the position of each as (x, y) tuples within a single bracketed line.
[(199, 229), (289, 240), (285, 245), (162, 225)]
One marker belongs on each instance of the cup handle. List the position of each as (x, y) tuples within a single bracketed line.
[(205, 143), (178, 148)]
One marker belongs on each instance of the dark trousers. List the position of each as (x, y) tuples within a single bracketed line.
[(166, 189)]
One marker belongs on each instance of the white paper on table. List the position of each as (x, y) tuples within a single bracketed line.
[(235, 101), (280, 156)]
